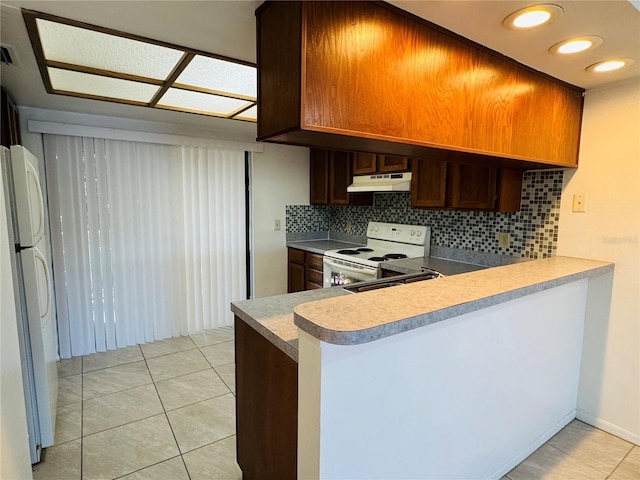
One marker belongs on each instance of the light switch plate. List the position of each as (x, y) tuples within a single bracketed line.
[(504, 239), (579, 202)]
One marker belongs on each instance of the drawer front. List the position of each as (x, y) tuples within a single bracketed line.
[(296, 255), (314, 261), (312, 286), (313, 276)]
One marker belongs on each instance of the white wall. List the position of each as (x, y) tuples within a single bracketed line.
[(469, 397), (609, 175), (15, 462), (279, 177)]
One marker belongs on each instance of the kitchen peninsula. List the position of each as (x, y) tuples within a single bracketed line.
[(458, 377)]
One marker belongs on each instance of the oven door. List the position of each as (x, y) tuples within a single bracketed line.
[(339, 272)]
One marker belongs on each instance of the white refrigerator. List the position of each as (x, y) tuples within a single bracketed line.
[(37, 330)]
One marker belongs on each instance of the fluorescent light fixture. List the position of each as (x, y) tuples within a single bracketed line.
[(92, 49), (575, 45), (197, 102), (220, 76), (609, 65), (97, 63), (99, 86), (532, 17)]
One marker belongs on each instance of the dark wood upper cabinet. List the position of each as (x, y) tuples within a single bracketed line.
[(428, 183), (331, 172), (319, 176), (439, 184), (472, 187), (364, 163), (388, 163), (339, 177), (367, 76)]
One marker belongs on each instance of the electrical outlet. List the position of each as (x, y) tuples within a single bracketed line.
[(276, 225), (579, 202), (504, 239)]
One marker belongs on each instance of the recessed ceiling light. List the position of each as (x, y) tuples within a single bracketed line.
[(531, 17), (575, 45), (609, 65)]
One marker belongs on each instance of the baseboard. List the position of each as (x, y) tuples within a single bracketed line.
[(608, 427), (533, 446)]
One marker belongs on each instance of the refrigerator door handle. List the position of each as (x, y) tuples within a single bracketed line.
[(47, 275)]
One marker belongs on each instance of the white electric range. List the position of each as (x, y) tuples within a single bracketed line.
[(385, 242)]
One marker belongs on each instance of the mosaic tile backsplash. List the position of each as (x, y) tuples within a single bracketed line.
[(534, 229)]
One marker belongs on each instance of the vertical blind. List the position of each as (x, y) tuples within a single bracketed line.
[(148, 241)]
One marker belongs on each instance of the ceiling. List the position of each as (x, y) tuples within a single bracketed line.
[(228, 28)]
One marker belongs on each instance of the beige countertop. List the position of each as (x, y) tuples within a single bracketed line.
[(368, 316), (272, 317)]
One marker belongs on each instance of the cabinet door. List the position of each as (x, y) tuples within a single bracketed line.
[(509, 190), (388, 163), (428, 183), (364, 163), (319, 176), (473, 187), (339, 177), (295, 270), (296, 282)]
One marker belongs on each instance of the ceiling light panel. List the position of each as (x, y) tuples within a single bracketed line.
[(200, 102), (220, 76), (84, 83), (79, 46), (250, 114)]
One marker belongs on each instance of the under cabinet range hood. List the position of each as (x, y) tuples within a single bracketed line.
[(381, 182)]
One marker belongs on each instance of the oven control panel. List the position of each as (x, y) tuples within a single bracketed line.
[(396, 232)]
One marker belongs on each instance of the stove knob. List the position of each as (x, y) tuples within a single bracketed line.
[(413, 232), (419, 233)]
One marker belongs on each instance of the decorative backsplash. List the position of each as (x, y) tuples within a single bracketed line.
[(533, 230)]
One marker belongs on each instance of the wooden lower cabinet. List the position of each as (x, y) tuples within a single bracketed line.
[(304, 270), (313, 271), (266, 407), (295, 270)]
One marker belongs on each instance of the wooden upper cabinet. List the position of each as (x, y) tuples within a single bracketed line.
[(319, 176), (388, 163), (472, 187), (428, 183), (364, 163), (339, 177), (366, 76), (330, 173), (439, 184)]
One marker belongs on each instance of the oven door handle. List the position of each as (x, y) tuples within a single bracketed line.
[(372, 272)]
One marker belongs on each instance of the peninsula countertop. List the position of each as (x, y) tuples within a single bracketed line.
[(367, 316)]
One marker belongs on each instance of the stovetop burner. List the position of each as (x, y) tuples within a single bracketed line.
[(378, 259), (349, 252), (395, 256), (365, 249)]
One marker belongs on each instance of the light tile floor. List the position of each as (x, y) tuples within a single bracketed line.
[(163, 410), (166, 410)]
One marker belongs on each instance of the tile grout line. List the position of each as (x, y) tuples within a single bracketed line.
[(623, 459), (166, 416)]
